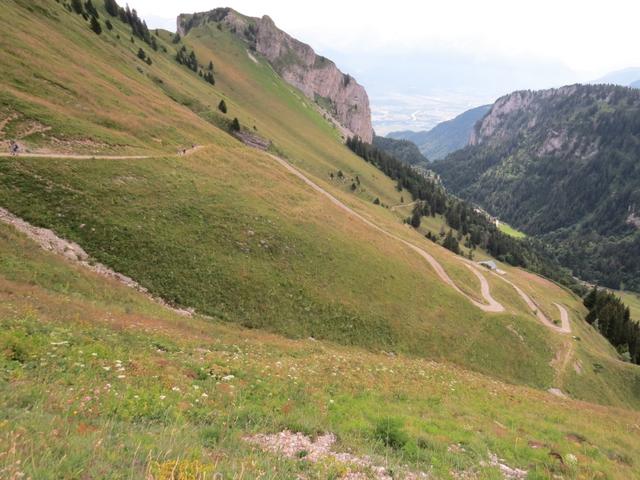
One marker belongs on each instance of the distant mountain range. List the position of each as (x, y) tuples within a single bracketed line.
[(629, 77), (562, 165), (446, 137)]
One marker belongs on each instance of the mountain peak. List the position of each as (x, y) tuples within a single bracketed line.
[(337, 93)]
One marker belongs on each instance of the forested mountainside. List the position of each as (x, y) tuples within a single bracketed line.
[(562, 165), (446, 137), (404, 150)]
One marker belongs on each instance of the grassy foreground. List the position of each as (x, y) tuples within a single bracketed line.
[(97, 382)]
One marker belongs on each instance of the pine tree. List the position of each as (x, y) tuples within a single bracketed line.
[(95, 25), (222, 106), (416, 217), (211, 66), (235, 125), (141, 54), (108, 24), (77, 6), (176, 38), (88, 5), (450, 243), (112, 8)]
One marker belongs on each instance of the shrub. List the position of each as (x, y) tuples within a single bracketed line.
[(390, 432), (235, 125), (95, 26), (222, 106)]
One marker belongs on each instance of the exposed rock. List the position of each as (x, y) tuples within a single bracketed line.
[(494, 124), (633, 220), (301, 447), (71, 251), (297, 63)]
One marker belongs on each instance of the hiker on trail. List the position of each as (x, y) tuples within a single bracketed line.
[(14, 148)]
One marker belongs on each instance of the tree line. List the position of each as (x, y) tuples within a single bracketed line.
[(612, 319), (472, 224)]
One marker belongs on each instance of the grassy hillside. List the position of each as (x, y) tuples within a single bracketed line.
[(98, 381), (227, 230)]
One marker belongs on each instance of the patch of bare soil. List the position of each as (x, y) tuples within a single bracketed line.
[(253, 140), (508, 473)]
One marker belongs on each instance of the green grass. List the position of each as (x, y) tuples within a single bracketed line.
[(631, 300), (227, 231), (509, 230), (400, 366), (217, 232), (96, 380)]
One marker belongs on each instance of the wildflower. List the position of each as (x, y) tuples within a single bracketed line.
[(176, 389), (122, 376), (162, 397)]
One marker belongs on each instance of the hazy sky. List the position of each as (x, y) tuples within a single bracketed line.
[(505, 44)]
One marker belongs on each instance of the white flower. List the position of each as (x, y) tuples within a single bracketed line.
[(176, 389), (204, 395), (162, 397), (122, 376), (228, 378), (106, 368)]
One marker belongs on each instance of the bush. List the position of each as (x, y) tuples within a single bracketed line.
[(222, 106), (235, 125), (95, 26), (390, 432)]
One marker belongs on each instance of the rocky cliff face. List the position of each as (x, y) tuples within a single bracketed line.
[(502, 120), (297, 63)]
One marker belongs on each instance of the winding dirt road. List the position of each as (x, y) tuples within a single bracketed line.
[(491, 306)]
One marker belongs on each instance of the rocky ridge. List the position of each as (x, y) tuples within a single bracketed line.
[(339, 94)]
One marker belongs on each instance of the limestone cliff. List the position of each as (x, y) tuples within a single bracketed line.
[(297, 63)]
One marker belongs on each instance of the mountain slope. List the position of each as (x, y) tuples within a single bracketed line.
[(317, 77), (446, 137), (230, 232), (96, 363), (625, 77), (403, 150), (317, 311), (562, 164)]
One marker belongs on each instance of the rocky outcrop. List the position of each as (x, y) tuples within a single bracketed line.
[(298, 64), (498, 123)]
